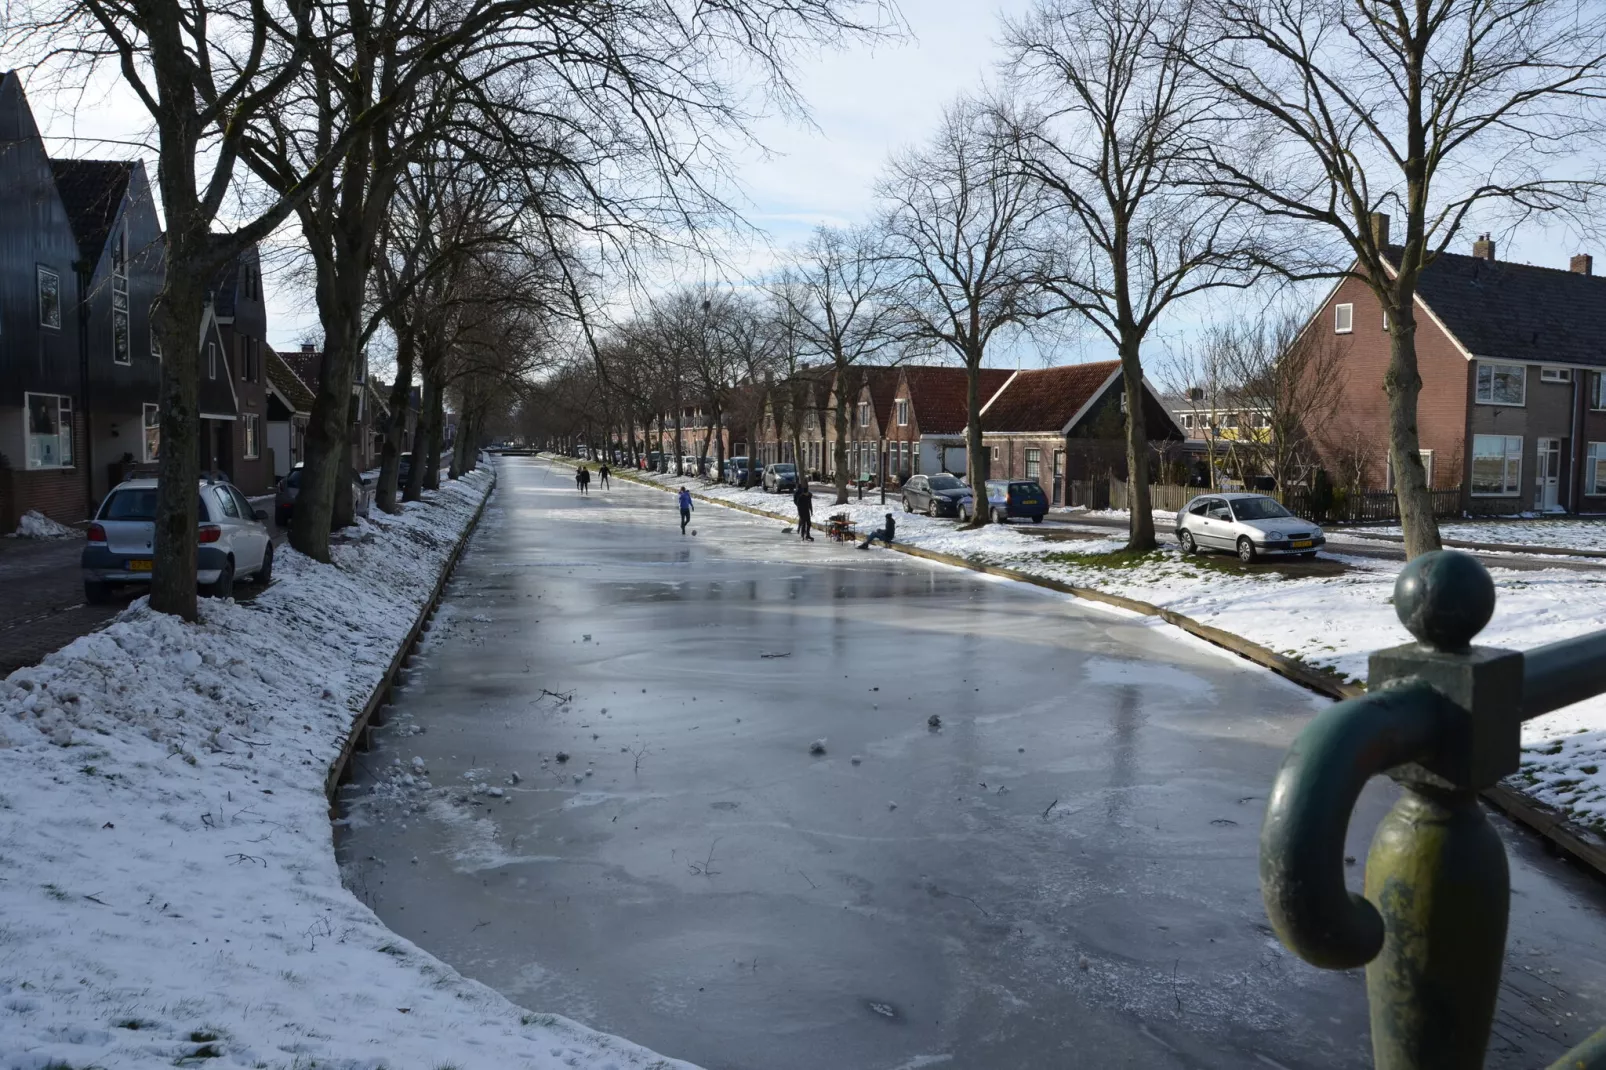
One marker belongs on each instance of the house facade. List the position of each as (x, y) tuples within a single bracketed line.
[(289, 405), (242, 319), (368, 412), (1513, 364), (929, 412), (1065, 425)]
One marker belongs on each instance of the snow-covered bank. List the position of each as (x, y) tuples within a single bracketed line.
[(1332, 622), (168, 886)]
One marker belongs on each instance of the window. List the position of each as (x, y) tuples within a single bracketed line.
[(120, 341), (864, 414), (49, 430), (1034, 463), (1427, 467), (1199, 507), (1187, 421), (253, 443), (995, 454), (1595, 469), (153, 433), (211, 360), (49, 298), (903, 412), (226, 502), (1230, 420), (242, 503), (1555, 375), (1385, 319), (1343, 319), (1502, 384), (1496, 464), (156, 343), (1259, 420)]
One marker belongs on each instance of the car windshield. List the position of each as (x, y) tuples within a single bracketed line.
[(946, 483), (785, 470), (1258, 509), (293, 480), (1023, 488), (130, 505)]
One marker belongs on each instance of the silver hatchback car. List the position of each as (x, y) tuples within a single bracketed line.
[(1250, 525)]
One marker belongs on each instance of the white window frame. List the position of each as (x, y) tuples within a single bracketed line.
[(122, 330), (1034, 463), (864, 414), (41, 273), (64, 414), (1477, 388), (1597, 397), (1595, 470), (211, 360), (1426, 456), (1385, 320), (1343, 319), (1512, 475), (151, 432), (253, 435), (903, 412), (1555, 375)]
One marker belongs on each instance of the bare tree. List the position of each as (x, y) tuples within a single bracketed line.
[(956, 230), (1116, 109), (839, 291), (1439, 113)]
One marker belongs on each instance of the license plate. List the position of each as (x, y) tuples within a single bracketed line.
[(1301, 544), (142, 564)]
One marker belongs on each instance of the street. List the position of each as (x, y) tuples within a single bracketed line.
[(1028, 838)]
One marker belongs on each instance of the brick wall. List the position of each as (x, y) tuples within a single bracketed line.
[(59, 493), (1361, 427)]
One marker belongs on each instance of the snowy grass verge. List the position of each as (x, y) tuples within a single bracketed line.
[(1331, 623), (168, 887), (1572, 533)]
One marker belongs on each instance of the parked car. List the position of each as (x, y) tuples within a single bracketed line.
[(284, 498), (736, 471), (1009, 498), (780, 478), (234, 540), (1251, 525), (938, 495)]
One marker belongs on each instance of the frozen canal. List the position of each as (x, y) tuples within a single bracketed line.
[(1062, 874)]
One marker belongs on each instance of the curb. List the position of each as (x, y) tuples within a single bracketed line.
[(1553, 825), (358, 738), (1485, 547)]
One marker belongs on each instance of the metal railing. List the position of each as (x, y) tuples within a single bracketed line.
[(1443, 718)]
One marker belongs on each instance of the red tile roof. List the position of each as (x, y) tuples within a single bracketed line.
[(1046, 399), (938, 396), (883, 383), (307, 364)]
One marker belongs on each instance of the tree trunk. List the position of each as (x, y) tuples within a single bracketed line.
[(422, 436), (437, 431), (839, 449), (1140, 532), (980, 513), (680, 445), (1403, 384), (178, 316), (400, 394)]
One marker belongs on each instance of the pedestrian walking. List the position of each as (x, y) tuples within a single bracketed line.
[(603, 472), (884, 533), (685, 509), (585, 480), (804, 500), (580, 478)]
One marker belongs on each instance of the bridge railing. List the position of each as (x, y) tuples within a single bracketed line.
[(1443, 718)]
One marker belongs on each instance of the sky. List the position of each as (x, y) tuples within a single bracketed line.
[(865, 102)]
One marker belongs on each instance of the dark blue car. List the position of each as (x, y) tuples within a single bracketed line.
[(1009, 498)]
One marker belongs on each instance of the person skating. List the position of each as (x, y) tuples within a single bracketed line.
[(585, 480), (804, 500), (685, 509), (580, 478), (884, 534), (603, 472)]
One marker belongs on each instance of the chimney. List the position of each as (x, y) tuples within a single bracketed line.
[(1582, 264), (1483, 248), (308, 347), (1380, 229)]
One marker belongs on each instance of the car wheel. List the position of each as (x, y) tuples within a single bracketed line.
[(1309, 555), (264, 574), (963, 514), (931, 508), (1246, 551), (224, 586), (1038, 519), (906, 506), (999, 517), (1185, 537), (97, 594)]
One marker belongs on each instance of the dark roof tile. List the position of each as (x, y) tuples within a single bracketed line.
[(1045, 399), (92, 191), (939, 396)]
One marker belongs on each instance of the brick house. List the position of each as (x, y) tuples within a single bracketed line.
[(871, 390), (1513, 366), (289, 405), (929, 414), (1065, 424), (368, 409)]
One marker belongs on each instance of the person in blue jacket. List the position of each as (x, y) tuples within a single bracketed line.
[(685, 509)]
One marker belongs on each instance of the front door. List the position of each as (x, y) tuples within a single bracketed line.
[(1059, 478), (1547, 486)]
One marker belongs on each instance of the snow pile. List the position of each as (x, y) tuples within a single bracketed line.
[(1331, 622), (168, 886), (36, 525)]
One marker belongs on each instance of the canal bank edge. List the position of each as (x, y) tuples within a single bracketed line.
[(372, 715), (1555, 827)]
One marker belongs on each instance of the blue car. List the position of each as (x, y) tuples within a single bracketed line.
[(1009, 498)]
